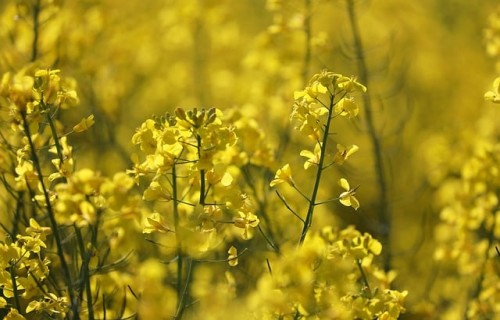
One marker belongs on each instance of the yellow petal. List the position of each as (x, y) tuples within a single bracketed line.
[(354, 203), (344, 184), (84, 124), (227, 179)]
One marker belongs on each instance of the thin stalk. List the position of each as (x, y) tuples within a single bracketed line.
[(307, 33), (37, 7), (180, 256), (262, 204), (285, 138), (364, 277), (50, 212), (84, 273), (312, 200), (15, 292), (385, 218), (202, 172), (283, 200), (183, 297), (17, 214), (269, 241), (53, 131), (199, 48)]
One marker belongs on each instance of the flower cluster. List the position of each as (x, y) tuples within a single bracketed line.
[(308, 282), (327, 96), (24, 276), (187, 160), (468, 229)]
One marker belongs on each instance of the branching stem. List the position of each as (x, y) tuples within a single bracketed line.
[(51, 215), (312, 200), (385, 218)]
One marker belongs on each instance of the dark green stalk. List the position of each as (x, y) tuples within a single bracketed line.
[(50, 213), (285, 138), (84, 273), (364, 277), (15, 292), (202, 172), (183, 296), (199, 49), (180, 256), (37, 7), (262, 204), (17, 214), (53, 131), (312, 199), (269, 241), (307, 32), (86, 261), (385, 218)]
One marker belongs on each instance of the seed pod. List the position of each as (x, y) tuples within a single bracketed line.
[(211, 115), (180, 113)]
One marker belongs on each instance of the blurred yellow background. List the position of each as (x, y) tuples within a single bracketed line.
[(428, 69)]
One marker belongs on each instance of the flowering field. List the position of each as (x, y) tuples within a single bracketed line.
[(249, 159)]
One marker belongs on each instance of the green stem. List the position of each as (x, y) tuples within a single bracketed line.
[(180, 256), (37, 7), (202, 172), (364, 277), (53, 131), (307, 32), (385, 218), (285, 137), (183, 297), (51, 215), (15, 292), (262, 204), (84, 273), (312, 200)]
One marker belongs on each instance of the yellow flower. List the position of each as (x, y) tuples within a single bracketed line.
[(283, 175), (343, 153), (156, 223), (14, 315), (311, 92), (349, 84), (84, 124), (35, 230), (312, 158), (347, 106), (246, 221), (494, 95), (347, 197)]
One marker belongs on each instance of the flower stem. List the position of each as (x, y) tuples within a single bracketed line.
[(363, 276), (15, 290), (312, 199), (180, 256), (385, 219), (84, 273), (307, 32), (202, 172), (50, 212), (37, 8)]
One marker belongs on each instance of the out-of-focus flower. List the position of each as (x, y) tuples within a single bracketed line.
[(347, 197)]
